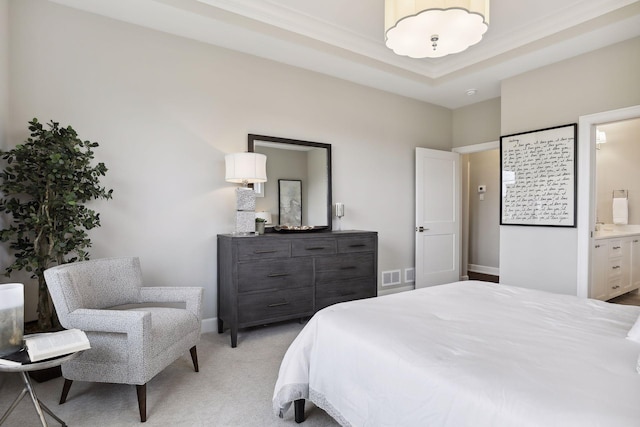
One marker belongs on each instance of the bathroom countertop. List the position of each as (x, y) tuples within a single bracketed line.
[(609, 231)]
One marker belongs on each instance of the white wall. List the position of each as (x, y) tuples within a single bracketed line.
[(606, 79), (4, 70), (476, 123), (166, 110), (472, 125)]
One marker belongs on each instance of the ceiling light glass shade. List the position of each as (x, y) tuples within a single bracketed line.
[(434, 28), (245, 167)]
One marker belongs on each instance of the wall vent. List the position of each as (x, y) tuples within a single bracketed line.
[(391, 277), (409, 275)]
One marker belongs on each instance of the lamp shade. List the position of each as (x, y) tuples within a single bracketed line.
[(245, 167), (264, 215), (434, 28)]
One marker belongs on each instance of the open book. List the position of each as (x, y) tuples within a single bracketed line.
[(52, 344), (48, 345)]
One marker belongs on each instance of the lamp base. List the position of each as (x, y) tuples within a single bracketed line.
[(245, 223), (245, 199)]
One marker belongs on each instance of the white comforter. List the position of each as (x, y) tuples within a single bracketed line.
[(467, 354)]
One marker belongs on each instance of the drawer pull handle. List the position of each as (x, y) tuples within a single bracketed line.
[(616, 247), (278, 304), (615, 287), (615, 267), (277, 274), (315, 248), (635, 241), (264, 252), (347, 294), (357, 245), (348, 267)]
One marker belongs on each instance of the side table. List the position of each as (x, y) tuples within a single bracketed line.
[(28, 387)]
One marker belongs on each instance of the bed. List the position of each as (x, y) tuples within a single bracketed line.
[(467, 354)]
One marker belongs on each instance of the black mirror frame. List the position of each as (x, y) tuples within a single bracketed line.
[(251, 144)]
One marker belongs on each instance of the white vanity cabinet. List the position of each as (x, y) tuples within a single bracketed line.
[(599, 270), (615, 267)]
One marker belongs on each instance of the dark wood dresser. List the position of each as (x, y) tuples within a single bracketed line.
[(281, 276)]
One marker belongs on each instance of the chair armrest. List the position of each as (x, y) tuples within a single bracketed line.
[(192, 296), (95, 320), (135, 324)]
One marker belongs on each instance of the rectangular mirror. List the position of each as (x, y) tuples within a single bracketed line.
[(295, 160)]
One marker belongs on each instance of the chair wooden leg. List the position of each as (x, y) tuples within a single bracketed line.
[(298, 406), (142, 401), (65, 390), (194, 358)]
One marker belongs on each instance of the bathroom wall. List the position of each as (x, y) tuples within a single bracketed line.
[(617, 169)]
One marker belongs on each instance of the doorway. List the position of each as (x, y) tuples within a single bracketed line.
[(480, 243), (587, 188)]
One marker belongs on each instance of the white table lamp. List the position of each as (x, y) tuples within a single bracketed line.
[(245, 169)]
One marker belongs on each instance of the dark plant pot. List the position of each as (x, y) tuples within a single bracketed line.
[(46, 374)]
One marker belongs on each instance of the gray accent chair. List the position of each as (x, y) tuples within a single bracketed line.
[(130, 344)]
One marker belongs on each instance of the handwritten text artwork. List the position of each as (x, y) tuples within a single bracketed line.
[(538, 177)]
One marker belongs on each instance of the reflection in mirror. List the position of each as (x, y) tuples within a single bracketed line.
[(292, 159)]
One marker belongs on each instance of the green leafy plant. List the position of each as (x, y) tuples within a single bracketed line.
[(45, 184), (261, 220)]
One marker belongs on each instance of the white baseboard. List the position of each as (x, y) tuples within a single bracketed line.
[(483, 269), (382, 292), (209, 325)]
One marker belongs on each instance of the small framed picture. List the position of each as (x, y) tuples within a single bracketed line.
[(290, 201)]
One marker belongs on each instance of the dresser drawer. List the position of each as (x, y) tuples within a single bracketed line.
[(256, 248), (356, 244), (344, 267), (335, 292), (275, 274), (267, 306), (311, 247)]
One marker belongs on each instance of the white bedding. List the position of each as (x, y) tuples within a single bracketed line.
[(467, 354)]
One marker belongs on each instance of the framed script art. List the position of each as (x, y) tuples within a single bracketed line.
[(290, 201), (538, 177)]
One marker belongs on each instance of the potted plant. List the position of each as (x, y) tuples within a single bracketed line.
[(260, 223), (45, 184)]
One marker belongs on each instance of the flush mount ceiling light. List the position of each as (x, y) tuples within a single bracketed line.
[(434, 28)]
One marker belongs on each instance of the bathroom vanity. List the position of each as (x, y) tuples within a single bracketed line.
[(615, 266)]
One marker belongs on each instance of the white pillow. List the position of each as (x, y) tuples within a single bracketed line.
[(634, 332)]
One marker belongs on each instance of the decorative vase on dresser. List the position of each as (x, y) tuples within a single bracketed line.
[(282, 276)]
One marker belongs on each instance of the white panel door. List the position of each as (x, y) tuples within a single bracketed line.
[(437, 217)]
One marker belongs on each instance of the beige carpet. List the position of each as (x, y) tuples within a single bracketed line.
[(233, 388)]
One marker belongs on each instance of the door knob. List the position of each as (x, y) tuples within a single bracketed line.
[(421, 229)]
